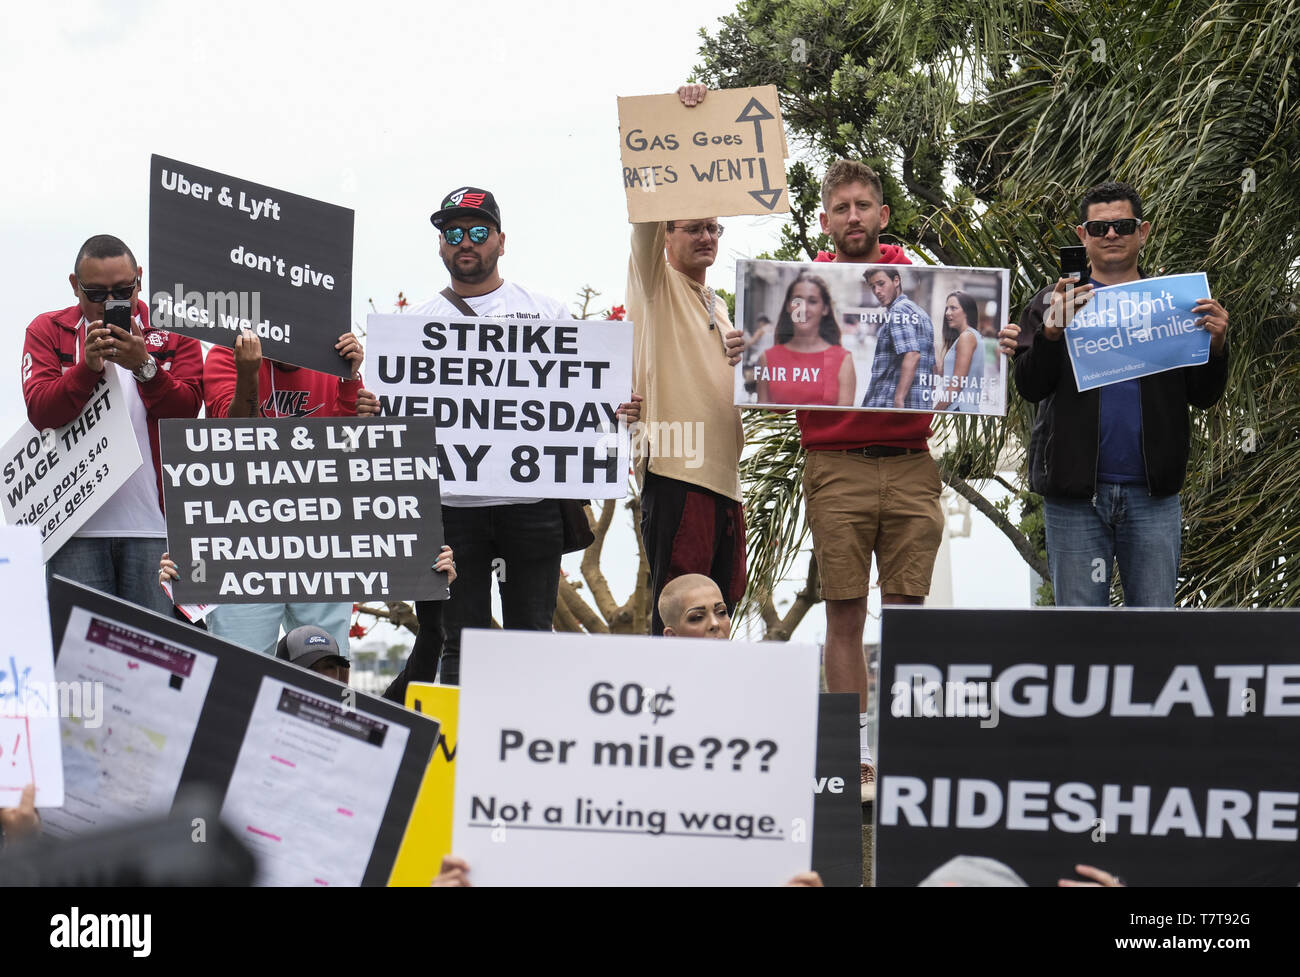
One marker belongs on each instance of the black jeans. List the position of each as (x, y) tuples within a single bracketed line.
[(519, 545)]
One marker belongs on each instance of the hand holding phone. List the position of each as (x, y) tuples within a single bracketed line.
[(1074, 263)]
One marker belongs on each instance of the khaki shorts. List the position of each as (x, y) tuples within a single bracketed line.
[(889, 506)]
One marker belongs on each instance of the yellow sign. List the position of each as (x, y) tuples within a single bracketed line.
[(428, 833)]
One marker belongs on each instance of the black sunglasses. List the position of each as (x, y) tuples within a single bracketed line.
[(97, 295), (1123, 227), (478, 234)]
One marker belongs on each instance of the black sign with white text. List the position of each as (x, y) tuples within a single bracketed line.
[(226, 254), (1156, 745), (302, 509)]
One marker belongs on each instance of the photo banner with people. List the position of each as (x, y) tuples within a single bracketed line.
[(317, 779), (631, 760), (1137, 329), (525, 408), (227, 254), (1148, 744), (844, 336), (299, 510)]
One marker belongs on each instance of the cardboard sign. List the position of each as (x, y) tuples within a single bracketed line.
[(318, 779), (31, 701), (837, 794), (846, 336), (723, 157), (226, 254), (1143, 742), (1137, 329), (527, 408), (630, 760), (428, 835), (302, 510), (56, 480)]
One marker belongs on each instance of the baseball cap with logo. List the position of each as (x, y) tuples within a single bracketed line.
[(305, 646), (467, 202)]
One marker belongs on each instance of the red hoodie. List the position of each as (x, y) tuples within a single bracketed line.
[(280, 392), (825, 430), (57, 383)]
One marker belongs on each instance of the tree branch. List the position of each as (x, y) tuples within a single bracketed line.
[(401, 615), (1018, 539)]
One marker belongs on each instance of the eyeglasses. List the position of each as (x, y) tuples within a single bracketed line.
[(1123, 227), (478, 234), (695, 230), (96, 294)]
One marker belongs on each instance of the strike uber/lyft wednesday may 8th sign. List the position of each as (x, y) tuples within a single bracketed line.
[(524, 408)]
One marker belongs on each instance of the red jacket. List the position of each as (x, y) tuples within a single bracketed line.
[(280, 392), (824, 430), (57, 384)]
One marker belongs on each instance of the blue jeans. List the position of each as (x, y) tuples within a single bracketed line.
[(257, 626), (1124, 523), (124, 566)]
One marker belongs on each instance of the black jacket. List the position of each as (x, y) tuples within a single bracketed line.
[(1066, 437)]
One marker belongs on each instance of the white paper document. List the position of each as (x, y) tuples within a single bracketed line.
[(311, 785), (125, 762)]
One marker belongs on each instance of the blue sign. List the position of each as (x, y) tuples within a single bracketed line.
[(1137, 329)]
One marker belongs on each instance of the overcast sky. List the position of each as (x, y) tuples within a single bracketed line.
[(380, 107)]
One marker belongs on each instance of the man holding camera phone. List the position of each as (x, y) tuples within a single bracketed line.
[(1109, 462), (161, 374)]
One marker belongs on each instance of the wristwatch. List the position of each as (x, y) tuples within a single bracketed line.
[(147, 371)]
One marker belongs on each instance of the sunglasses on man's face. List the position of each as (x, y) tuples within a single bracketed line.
[(478, 234), (96, 294), (1123, 227)]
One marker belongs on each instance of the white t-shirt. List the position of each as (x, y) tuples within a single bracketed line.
[(509, 301), (133, 509)]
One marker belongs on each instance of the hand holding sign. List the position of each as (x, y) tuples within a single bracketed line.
[(685, 157)]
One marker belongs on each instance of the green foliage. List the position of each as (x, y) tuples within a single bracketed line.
[(987, 121)]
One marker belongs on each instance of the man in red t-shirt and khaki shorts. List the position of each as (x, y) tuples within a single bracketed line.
[(870, 484)]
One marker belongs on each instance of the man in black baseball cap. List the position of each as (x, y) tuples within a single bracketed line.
[(516, 541), (467, 202), (315, 649)]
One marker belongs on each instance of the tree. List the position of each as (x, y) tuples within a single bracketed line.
[(986, 122)]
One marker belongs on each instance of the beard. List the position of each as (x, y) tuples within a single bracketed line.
[(858, 249), (470, 273)]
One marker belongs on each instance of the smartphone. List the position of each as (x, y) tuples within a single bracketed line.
[(117, 312), (1074, 264)]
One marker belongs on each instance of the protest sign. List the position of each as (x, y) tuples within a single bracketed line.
[(300, 510), (55, 480), (1137, 329), (630, 760), (226, 254), (528, 408), (428, 835), (317, 778), (837, 797), (838, 335), (722, 157), (1147, 743), (31, 701)]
